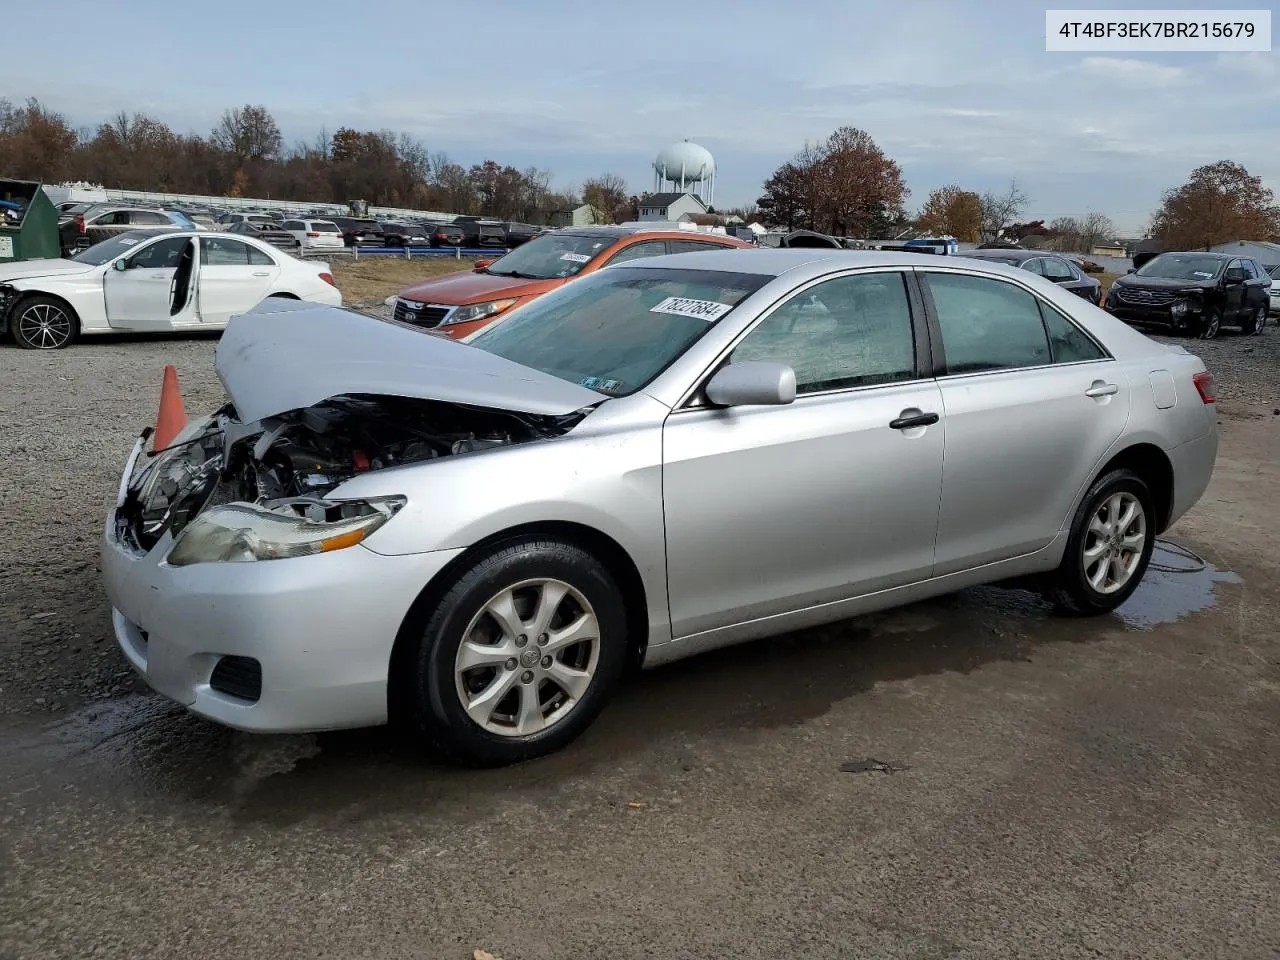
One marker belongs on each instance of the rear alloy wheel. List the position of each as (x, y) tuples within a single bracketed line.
[(1109, 548), (43, 323), (520, 655), (1259, 322), (1210, 324)]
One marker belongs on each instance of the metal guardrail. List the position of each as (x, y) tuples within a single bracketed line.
[(407, 253)]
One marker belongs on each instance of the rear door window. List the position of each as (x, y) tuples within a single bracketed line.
[(987, 324), (292, 225), (223, 252), (638, 251), (1067, 342)]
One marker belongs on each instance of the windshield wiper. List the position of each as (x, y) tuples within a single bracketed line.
[(516, 274)]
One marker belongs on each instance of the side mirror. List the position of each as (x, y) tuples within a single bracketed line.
[(753, 383), (483, 264), (120, 264), (1131, 270)]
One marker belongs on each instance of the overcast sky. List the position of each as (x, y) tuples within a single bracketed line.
[(954, 91)]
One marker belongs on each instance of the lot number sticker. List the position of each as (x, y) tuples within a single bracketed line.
[(6, 247), (708, 310), (575, 257)]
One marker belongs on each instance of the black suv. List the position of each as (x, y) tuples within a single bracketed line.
[(447, 235), (481, 233), (1194, 292), (359, 231)]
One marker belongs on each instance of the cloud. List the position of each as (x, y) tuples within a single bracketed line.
[(1133, 71)]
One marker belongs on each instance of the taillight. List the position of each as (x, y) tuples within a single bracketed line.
[(80, 223), (309, 234), (328, 278), (1204, 386)]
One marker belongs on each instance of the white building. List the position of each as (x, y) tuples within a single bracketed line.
[(670, 206), (1267, 254)]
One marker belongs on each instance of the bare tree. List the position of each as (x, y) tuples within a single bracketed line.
[(1095, 228), (605, 195), (248, 132), (1002, 210)]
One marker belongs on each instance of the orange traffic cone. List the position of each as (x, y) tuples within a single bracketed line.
[(171, 418)]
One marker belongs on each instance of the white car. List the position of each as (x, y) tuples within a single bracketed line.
[(315, 234), (1274, 273), (152, 281)]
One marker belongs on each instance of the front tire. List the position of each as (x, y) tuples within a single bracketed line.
[(520, 655), (43, 323), (1109, 548)]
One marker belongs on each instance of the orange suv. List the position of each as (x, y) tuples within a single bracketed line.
[(459, 304)]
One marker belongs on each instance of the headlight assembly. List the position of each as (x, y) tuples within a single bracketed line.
[(240, 532), (1179, 308), (479, 311)]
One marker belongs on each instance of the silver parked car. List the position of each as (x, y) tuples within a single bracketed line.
[(665, 457)]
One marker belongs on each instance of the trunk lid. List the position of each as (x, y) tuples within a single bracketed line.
[(290, 354)]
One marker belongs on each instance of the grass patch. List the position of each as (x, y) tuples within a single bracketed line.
[(1107, 280), (370, 280)]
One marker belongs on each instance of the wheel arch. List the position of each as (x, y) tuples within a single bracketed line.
[(1152, 464), (599, 544), (23, 295)]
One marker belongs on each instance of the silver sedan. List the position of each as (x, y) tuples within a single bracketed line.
[(480, 538)]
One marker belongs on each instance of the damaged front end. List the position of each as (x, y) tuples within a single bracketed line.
[(227, 491)]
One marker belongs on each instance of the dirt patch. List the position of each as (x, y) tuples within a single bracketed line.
[(370, 280)]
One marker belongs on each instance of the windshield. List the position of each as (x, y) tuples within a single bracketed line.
[(1182, 266), (100, 253), (616, 330), (1274, 273), (553, 256), (181, 219)]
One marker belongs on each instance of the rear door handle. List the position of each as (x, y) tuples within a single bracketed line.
[(1102, 390), (263, 273), (919, 420)]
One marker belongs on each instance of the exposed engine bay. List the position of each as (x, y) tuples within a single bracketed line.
[(288, 463)]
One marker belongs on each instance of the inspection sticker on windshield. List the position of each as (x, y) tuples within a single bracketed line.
[(575, 257), (1203, 273), (708, 310)]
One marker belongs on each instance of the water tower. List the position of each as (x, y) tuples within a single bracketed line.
[(686, 168)]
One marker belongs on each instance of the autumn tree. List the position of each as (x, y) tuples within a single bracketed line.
[(1000, 211), (845, 185), (606, 195), (35, 142), (954, 211), (1219, 202)]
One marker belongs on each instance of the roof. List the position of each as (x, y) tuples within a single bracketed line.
[(665, 199), (1014, 254), (773, 261), (661, 227)]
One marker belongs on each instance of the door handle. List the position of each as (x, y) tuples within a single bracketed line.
[(1100, 389), (262, 273), (918, 420)]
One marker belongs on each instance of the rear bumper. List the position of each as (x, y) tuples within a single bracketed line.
[(1192, 470)]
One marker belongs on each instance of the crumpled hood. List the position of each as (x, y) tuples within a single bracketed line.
[(29, 269), (288, 354), (1132, 282)]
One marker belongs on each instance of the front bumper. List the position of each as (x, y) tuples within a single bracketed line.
[(322, 628)]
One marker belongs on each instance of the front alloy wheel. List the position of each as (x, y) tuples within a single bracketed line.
[(527, 658), (42, 323), (517, 657)]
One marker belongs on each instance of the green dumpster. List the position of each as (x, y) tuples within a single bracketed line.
[(28, 222)]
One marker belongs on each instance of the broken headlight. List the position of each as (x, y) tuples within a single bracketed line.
[(240, 532)]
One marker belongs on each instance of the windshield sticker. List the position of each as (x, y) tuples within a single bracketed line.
[(600, 383), (127, 241), (575, 257), (1203, 273), (708, 310)]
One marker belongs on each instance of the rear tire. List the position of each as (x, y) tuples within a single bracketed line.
[(43, 323), (522, 687), (1258, 323), (1210, 324), (1108, 549)]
